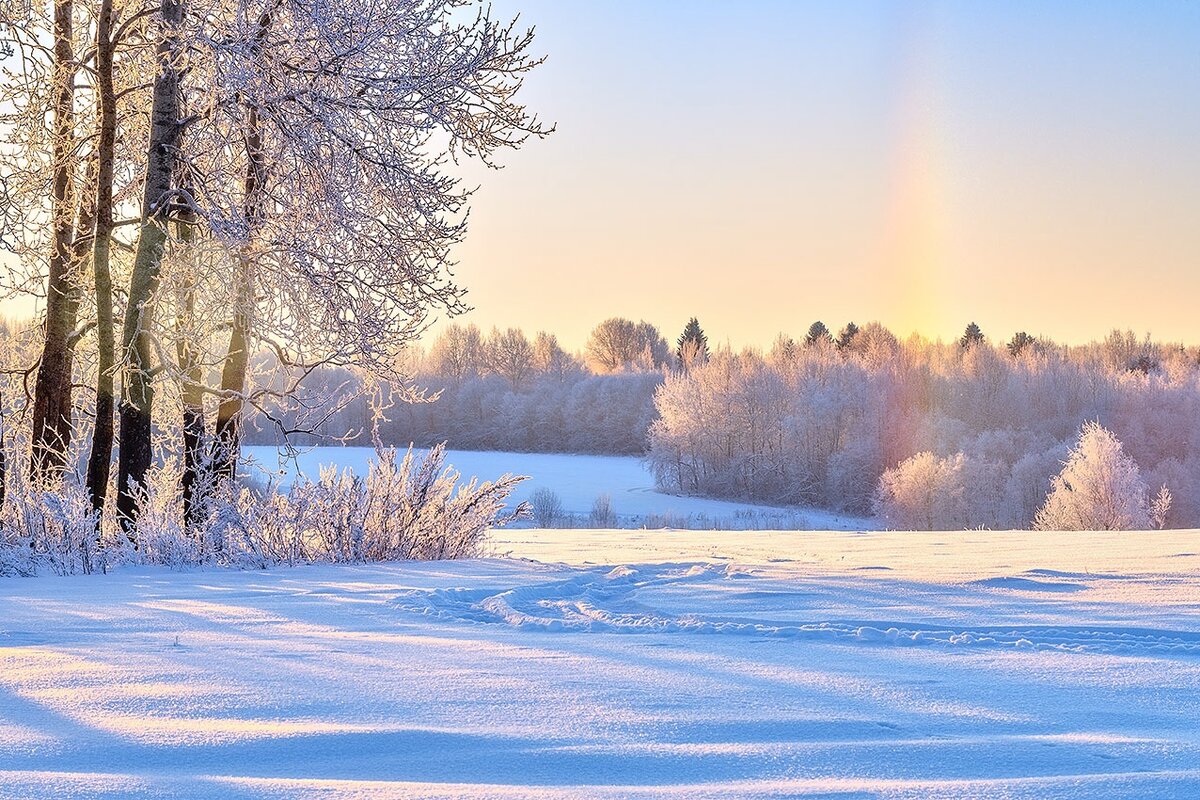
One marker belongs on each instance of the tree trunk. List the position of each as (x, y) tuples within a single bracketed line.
[(138, 402), (192, 391), (227, 445), (100, 459), (3, 458), (237, 356), (51, 434)]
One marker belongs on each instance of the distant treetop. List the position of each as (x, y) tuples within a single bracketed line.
[(971, 336), (692, 345), (846, 336), (1019, 343), (818, 334)]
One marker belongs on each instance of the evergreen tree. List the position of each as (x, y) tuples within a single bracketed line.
[(846, 336), (692, 346), (818, 334), (1019, 342), (971, 336)]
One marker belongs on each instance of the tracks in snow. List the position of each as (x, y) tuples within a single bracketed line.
[(620, 600)]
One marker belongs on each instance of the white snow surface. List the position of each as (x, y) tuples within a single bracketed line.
[(622, 664), (576, 479)]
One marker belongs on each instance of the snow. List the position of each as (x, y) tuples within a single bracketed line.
[(576, 479), (622, 664)]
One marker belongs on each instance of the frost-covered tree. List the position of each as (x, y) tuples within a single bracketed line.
[(1123, 350), (311, 152), (63, 66), (458, 352), (70, 221), (783, 349), (612, 345), (511, 356), (925, 493), (846, 336), (546, 507), (352, 115), (1101, 488), (618, 344), (550, 360), (874, 344)]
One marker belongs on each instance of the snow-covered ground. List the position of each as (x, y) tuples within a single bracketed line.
[(622, 664), (576, 479)]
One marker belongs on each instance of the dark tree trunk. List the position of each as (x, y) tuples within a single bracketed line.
[(3, 462), (191, 485), (137, 405), (51, 435), (100, 458)]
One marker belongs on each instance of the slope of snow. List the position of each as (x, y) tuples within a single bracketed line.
[(576, 479), (622, 664)]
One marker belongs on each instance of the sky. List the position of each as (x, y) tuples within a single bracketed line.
[(761, 165)]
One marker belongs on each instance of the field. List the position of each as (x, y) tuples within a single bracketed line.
[(577, 480), (622, 664)]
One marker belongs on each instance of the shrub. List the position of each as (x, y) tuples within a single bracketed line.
[(404, 509), (546, 508), (1101, 488), (923, 493), (602, 515)]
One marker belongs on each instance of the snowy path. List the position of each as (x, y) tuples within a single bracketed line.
[(725, 665)]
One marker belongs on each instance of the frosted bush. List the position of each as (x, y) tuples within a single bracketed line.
[(409, 508), (602, 514), (923, 493), (545, 507), (1101, 488), (45, 530)]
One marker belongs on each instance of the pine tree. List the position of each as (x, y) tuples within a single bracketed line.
[(817, 334), (846, 336), (971, 336), (1019, 342), (692, 346)]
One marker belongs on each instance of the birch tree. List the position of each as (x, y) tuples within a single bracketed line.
[(349, 114), (320, 142), (47, 218), (136, 346)]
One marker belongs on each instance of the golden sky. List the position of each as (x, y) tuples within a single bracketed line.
[(761, 165)]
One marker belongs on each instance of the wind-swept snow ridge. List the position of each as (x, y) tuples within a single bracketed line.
[(613, 600)]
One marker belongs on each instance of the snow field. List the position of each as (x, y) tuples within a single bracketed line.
[(622, 664), (576, 479)]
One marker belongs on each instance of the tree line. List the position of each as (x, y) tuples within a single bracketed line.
[(960, 434), (922, 434), (506, 390)]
